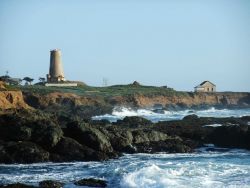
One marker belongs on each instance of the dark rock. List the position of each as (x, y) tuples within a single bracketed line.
[(69, 149), (12, 128), (31, 99), (30, 126), (134, 122), (28, 137), (159, 111), (186, 129), (121, 140), (129, 149), (158, 106), (4, 155), (50, 184), (245, 118), (141, 136), (46, 134), (91, 182), (22, 152), (171, 145), (191, 117), (14, 132), (17, 185), (99, 122), (89, 136), (237, 136)]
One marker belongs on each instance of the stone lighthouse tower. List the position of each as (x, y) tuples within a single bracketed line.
[(56, 73)]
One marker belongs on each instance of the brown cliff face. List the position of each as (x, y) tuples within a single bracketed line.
[(89, 105), (139, 100), (12, 100), (2, 85), (187, 100), (57, 98)]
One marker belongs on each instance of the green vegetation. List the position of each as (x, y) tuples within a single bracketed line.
[(116, 90)]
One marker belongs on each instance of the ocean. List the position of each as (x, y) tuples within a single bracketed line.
[(206, 167)]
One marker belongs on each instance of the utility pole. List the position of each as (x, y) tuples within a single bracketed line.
[(104, 82)]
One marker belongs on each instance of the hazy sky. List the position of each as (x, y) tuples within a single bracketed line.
[(175, 43)]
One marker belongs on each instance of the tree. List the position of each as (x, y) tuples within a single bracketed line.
[(42, 79), (4, 78), (28, 80), (14, 81)]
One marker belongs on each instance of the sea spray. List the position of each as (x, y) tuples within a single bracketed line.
[(165, 115), (203, 168)]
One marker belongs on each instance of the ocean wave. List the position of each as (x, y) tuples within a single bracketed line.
[(189, 173), (213, 125), (165, 115), (199, 169), (197, 175)]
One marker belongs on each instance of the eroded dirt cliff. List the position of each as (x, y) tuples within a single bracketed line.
[(232, 99), (12, 99), (80, 103)]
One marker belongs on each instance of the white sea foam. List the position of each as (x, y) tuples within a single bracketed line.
[(121, 112), (200, 169), (212, 125), (150, 176), (186, 173)]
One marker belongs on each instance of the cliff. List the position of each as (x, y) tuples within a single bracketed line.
[(12, 99), (89, 101), (229, 99), (90, 105)]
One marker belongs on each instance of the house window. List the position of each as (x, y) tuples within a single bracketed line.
[(212, 89), (207, 89)]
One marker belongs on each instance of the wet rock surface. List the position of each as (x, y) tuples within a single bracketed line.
[(17, 185), (35, 136), (50, 184), (91, 182)]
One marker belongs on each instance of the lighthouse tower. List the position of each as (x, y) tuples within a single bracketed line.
[(56, 73)]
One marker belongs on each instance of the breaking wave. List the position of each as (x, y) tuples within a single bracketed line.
[(203, 168), (165, 115)]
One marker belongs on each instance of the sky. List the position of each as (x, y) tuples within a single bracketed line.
[(177, 43)]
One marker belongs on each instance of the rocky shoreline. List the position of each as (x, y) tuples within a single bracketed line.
[(89, 182), (33, 136)]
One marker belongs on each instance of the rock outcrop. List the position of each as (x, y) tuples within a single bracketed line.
[(33, 136), (231, 135), (17, 185), (91, 182), (50, 184)]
